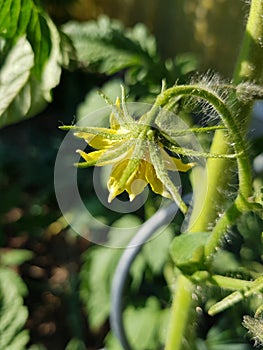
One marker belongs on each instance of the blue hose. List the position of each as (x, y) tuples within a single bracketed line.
[(160, 218)]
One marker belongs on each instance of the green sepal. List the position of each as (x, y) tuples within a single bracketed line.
[(187, 251), (169, 143), (163, 176), (183, 132), (133, 164)]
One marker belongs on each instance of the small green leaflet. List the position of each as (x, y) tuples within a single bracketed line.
[(187, 250)]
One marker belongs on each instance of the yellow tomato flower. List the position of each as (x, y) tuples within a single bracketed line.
[(137, 157)]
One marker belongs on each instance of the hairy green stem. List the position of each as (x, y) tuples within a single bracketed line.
[(229, 121), (248, 68), (237, 296), (179, 319)]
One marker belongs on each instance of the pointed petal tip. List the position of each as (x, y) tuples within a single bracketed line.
[(111, 196), (131, 197)]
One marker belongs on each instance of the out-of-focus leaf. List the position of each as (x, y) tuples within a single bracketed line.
[(75, 344), (13, 314), (225, 262), (105, 46), (220, 339), (156, 251), (37, 347), (15, 257), (98, 269), (250, 227), (143, 326)]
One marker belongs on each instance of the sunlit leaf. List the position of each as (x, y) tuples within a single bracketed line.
[(187, 250), (31, 60), (15, 73)]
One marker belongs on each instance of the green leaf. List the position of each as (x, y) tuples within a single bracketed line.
[(95, 275), (156, 251), (143, 326), (15, 73), (75, 344), (22, 93), (98, 270), (98, 44), (32, 66), (187, 250), (52, 69), (14, 17), (24, 16), (15, 257), (39, 38), (19, 341), (13, 314), (37, 347), (4, 17), (219, 338)]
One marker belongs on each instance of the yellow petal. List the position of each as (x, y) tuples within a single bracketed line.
[(156, 185), (91, 157), (137, 183), (182, 166), (175, 164), (98, 141), (114, 180), (122, 176)]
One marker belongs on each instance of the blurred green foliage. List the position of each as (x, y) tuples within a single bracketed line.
[(13, 313)]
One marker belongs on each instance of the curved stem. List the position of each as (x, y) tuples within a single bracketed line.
[(235, 135), (248, 68)]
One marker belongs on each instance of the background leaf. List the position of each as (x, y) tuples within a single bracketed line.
[(15, 73), (187, 250), (31, 60), (99, 43), (13, 314), (143, 325), (14, 257)]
